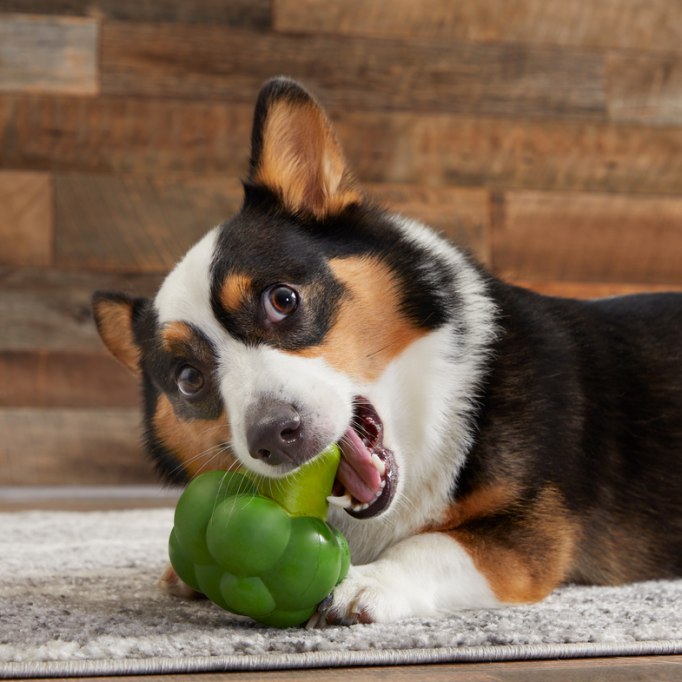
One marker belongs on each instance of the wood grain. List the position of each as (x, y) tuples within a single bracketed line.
[(461, 214), (645, 88), (72, 447), (172, 60), (650, 25), (253, 13), (50, 309), (65, 379), (25, 219), (586, 290), (136, 223), (123, 135), (157, 136), (589, 238), (435, 150), (48, 54)]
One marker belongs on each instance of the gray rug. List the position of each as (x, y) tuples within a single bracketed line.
[(78, 597)]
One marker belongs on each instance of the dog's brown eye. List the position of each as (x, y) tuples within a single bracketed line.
[(280, 301), (189, 380)]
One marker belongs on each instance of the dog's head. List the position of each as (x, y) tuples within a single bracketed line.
[(304, 320)]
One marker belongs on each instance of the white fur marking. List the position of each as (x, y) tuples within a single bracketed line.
[(427, 575)]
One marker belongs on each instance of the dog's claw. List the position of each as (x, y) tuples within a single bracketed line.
[(325, 604), (317, 620)]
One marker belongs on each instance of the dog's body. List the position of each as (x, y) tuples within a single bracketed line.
[(496, 442)]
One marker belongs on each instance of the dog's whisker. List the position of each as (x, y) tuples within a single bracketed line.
[(217, 449)]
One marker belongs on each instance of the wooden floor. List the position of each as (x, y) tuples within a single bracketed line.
[(649, 668)]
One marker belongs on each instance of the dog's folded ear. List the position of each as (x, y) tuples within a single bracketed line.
[(295, 153), (114, 316)]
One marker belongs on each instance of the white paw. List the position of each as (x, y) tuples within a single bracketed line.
[(363, 597)]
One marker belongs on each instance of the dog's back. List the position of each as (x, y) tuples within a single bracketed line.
[(581, 417)]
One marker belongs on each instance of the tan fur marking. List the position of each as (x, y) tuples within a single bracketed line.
[(176, 335), (370, 330), (193, 442), (171, 583), (114, 323), (302, 161), (482, 502), (530, 561), (235, 291)]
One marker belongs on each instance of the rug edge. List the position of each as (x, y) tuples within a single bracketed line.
[(335, 659)]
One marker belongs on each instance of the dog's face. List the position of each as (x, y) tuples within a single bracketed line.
[(309, 318)]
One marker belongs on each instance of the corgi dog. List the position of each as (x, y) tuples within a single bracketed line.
[(496, 443)]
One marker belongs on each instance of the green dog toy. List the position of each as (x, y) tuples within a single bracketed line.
[(261, 549)]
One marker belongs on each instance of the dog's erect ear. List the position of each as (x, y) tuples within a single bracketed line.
[(295, 153), (113, 314)]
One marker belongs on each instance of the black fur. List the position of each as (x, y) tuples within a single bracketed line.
[(271, 245), (585, 398)]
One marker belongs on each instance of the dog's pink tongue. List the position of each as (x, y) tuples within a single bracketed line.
[(357, 473)]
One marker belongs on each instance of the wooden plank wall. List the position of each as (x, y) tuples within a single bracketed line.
[(543, 135)]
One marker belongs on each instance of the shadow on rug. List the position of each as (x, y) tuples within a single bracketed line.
[(78, 596)]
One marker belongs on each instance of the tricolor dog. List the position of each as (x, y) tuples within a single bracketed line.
[(496, 443)]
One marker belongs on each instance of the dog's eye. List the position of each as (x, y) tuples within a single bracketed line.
[(279, 302), (190, 381)]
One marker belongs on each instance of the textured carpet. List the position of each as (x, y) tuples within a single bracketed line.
[(78, 597)]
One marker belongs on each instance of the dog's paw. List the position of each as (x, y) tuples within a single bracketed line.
[(361, 598), (171, 583)]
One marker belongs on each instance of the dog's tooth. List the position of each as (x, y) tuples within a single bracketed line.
[(383, 484), (344, 501), (378, 464)]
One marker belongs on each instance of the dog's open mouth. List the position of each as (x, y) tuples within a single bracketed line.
[(365, 481)]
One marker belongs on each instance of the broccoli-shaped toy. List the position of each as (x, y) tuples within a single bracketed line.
[(261, 549)]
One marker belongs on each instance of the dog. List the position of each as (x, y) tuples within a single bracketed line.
[(496, 443)]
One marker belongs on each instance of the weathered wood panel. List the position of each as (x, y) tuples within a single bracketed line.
[(47, 379), (594, 289), (48, 54), (157, 136), (651, 25), (171, 60), (253, 13), (25, 219), (519, 153), (124, 135), (589, 238), (50, 309), (72, 447), (461, 215), (645, 88), (136, 223)]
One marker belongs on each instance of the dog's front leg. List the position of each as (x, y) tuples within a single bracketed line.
[(427, 575)]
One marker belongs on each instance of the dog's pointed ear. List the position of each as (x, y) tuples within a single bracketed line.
[(295, 153), (113, 313)]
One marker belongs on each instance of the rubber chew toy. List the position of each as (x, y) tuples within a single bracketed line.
[(261, 549)]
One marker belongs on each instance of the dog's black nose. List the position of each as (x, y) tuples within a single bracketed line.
[(273, 433)]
